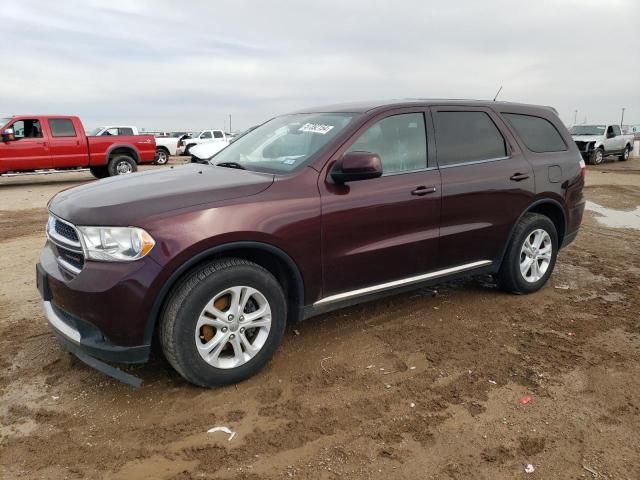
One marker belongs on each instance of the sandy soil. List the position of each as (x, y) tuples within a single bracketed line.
[(421, 385)]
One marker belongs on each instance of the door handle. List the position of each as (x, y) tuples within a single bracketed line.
[(518, 177), (422, 190)]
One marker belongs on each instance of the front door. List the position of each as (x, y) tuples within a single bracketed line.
[(384, 229), (29, 150)]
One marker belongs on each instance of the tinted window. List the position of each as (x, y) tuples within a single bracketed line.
[(206, 135), (217, 134), (62, 127), (616, 130), (467, 137), (538, 134), (400, 141), (125, 131)]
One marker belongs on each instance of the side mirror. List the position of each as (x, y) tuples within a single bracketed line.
[(8, 135), (357, 166)]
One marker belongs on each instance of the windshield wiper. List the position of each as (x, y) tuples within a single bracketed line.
[(230, 165)]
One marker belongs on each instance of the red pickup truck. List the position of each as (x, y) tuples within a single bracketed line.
[(38, 142)]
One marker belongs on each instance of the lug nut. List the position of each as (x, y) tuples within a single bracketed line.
[(230, 317), (224, 329), (241, 318), (242, 330), (232, 336)]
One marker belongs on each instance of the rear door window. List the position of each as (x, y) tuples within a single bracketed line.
[(538, 134), (62, 127), (125, 131), (465, 136), (217, 135)]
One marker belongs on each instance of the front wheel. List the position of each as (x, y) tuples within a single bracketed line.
[(597, 156), (121, 165), (162, 156), (625, 155), (531, 255), (223, 323)]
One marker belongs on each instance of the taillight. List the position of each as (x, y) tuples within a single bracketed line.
[(180, 143), (583, 168)]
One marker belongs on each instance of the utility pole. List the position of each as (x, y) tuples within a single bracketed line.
[(622, 117), (575, 117), (229, 123)]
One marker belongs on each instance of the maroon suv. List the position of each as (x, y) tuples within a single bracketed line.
[(309, 212)]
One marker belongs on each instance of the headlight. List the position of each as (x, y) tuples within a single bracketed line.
[(115, 244)]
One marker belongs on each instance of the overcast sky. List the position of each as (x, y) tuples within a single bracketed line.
[(188, 64)]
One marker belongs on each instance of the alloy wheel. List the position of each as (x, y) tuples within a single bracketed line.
[(535, 255), (233, 327), (123, 168)]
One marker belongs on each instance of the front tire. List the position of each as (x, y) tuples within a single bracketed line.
[(625, 154), (162, 156), (121, 165), (531, 255), (597, 156), (223, 322)]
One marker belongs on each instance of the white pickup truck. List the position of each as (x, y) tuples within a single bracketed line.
[(165, 146), (184, 146), (595, 142)]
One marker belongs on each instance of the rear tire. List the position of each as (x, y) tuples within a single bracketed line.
[(531, 255), (99, 172), (597, 156), (187, 149), (625, 154), (121, 165), (221, 354)]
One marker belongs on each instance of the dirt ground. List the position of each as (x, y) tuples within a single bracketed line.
[(421, 385)]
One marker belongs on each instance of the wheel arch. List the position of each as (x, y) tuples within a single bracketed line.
[(548, 207), (272, 258), (122, 150)]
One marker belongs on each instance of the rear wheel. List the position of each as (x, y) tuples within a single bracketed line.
[(530, 256), (187, 149), (162, 156), (625, 154), (121, 165), (597, 156), (223, 322), (99, 172)]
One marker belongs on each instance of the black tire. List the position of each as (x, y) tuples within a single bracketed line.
[(597, 156), (119, 163), (625, 154), (510, 278), (99, 172), (185, 303), (187, 149), (162, 156)]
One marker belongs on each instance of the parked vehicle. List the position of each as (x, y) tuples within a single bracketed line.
[(309, 212), (165, 145), (204, 151), (44, 142), (596, 142), (185, 145)]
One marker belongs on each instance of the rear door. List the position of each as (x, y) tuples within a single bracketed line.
[(67, 143), (29, 150), (486, 184), (382, 229)]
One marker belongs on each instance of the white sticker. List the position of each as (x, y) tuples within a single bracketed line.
[(316, 128)]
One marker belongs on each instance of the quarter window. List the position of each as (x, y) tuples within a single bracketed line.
[(463, 137), (62, 127), (537, 133), (400, 141)]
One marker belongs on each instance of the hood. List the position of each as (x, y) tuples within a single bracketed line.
[(128, 199), (586, 138), (206, 150)]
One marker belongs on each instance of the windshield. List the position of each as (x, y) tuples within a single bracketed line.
[(285, 143), (4, 121), (94, 132), (588, 129)]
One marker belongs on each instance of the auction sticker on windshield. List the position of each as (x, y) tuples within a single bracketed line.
[(316, 128)]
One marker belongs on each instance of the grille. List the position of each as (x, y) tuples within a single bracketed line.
[(75, 259), (66, 231)]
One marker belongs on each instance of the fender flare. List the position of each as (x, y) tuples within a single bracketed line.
[(297, 281), (134, 151), (540, 201)]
